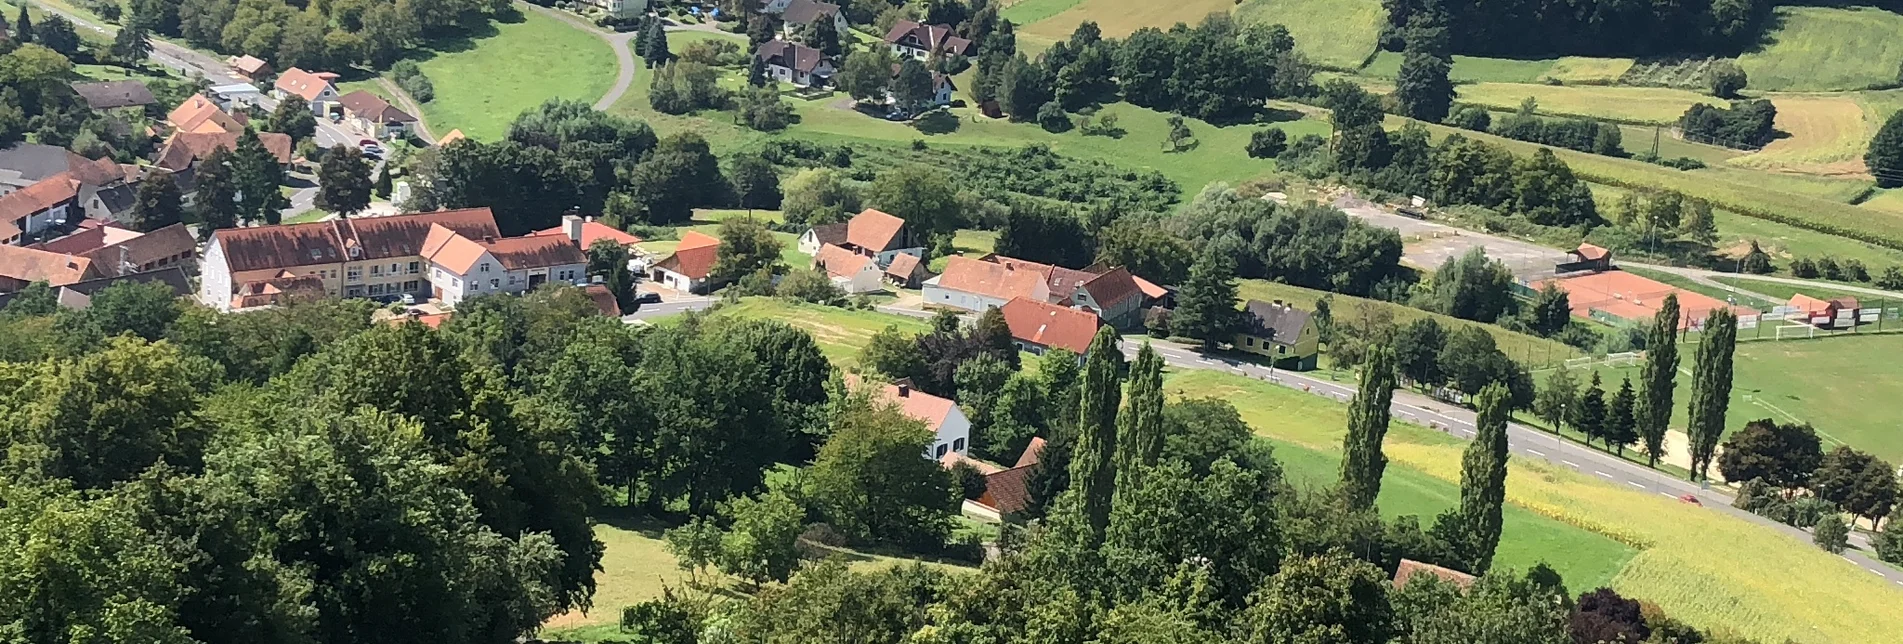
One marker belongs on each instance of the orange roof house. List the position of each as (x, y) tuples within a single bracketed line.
[(311, 86), (22, 266), (250, 67), (1038, 326), (588, 231), (949, 426), (906, 271), (692, 263), (975, 285), (875, 232), (1409, 569), (199, 115)]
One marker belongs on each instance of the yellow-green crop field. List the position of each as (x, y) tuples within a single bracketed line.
[(1827, 48)]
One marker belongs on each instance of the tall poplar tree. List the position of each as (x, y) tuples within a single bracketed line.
[(1657, 379), (1711, 389), (1362, 461), (1093, 472), (1483, 478), (1140, 426)]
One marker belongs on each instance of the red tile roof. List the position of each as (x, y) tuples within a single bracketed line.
[(1008, 491), (1150, 289), (1031, 452), (1808, 304), (42, 195), (993, 280), (328, 242), (302, 83), (695, 255), (56, 269), (143, 252), (186, 148), (373, 108), (522, 253), (592, 231), (1050, 325), (903, 266), (249, 65), (1590, 252), (200, 114), (874, 230), (1112, 287), (445, 248), (604, 299), (932, 38), (931, 409), (839, 262), (1410, 568)]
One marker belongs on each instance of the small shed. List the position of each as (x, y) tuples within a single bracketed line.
[(1586, 257)]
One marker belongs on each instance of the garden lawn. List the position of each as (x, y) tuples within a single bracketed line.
[(1335, 33), (967, 242), (1525, 349), (1624, 104), (1847, 386), (1825, 48), (841, 333), (481, 85), (1701, 566)]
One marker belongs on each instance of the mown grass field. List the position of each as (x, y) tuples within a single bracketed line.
[(1825, 134), (1335, 33), (1570, 70), (1841, 385), (1526, 349), (1827, 48), (482, 84), (1118, 18), (1624, 104), (1886, 200), (1638, 139), (1701, 566), (1024, 12)]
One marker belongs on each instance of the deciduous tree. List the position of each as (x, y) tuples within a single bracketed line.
[(871, 484), (216, 198), (1474, 527), (343, 181), (1362, 462), (1856, 481), (1711, 388), (1657, 378), (1781, 455), (157, 203)]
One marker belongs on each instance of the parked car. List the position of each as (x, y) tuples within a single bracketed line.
[(336, 118), (648, 297), (373, 150), (366, 142)]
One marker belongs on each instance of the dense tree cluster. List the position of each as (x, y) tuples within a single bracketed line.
[(1884, 156), (1590, 28), (1310, 246), (1584, 135), (1747, 124), (328, 35)]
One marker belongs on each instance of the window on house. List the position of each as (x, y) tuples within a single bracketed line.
[(1281, 350), (1249, 341), (958, 445), (495, 283), (354, 274), (511, 279), (942, 448), (317, 254), (485, 267), (413, 268), (393, 268), (376, 271), (455, 283)]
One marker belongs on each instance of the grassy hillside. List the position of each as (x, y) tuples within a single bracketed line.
[(1570, 70), (482, 84), (1624, 104), (1335, 33), (1824, 134), (1825, 48), (1526, 349), (1837, 384), (1697, 564), (1118, 18)]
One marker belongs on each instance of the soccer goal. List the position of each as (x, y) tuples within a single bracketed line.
[(1796, 331), (1625, 359)]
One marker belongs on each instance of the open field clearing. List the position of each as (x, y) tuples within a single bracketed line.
[(1706, 568), (1638, 139), (1624, 104), (1529, 350), (1570, 70), (483, 84), (1334, 33), (1823, 135), (1024, 12), (1838, 384), (840, 333), (1886, 200), (1118, 18), (1826, 48), (1747, 192)]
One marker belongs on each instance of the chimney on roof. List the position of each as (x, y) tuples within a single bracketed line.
[(488, 239), (571, 226)]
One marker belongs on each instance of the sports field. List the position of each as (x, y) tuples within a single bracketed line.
[(1825, 134), (482, 84), (1700, 566), (1827, 48), (1624, 104), (1841, 385), (1335, 33)]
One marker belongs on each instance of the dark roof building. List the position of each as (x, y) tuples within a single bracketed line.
[(1276, 321), (373, 108), (76, 294), (108, 95), (927, 39), (804, 12), (794, 56)]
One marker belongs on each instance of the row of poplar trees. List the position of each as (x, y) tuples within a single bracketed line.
[(1710, 387)]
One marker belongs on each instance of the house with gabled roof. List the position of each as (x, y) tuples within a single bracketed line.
[(588, 231), (250, 67), (112, 95), (872, 233), (200, 115), (850, 271), (690, 268), (907, 271), (183, 151), (1284, 334), (951, 430), (370, 113), (376, 257), (317, 88), (910, 39), (1038, 327), (795, 64), (797, 15), (461, 267), (973, 285)]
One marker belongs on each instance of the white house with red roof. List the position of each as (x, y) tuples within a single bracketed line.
[(1041, 326), (950, 427), (460, 267), (691, 266), (872, 233), (850, 271), (909, 39), (317, 88), (588, 231)]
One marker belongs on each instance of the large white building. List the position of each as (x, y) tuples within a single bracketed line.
[(460, 267)]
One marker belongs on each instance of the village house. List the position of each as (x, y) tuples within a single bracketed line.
[(907, 271), (118, 251), (691, 266), (794, 63), (20, 267), (200, 115), (910, 39), (797, 15), (317, 88), (1113, 294), (850, 271), (973, 285), (942, 89), (46, 190), (461, 266), (353, 257), (374, 116), (589, 231), (872, 233), (78, 295), (1041, 326), (1285, 334), (182, 152), (113, 95), (1007, 494), (951, 430), (250, 67)]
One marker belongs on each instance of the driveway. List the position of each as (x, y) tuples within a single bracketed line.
[(1426, 245)]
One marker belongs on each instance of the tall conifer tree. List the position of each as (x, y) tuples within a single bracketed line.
[(1093, 472), (1362, 461), (1140, 426), (1656, 379)]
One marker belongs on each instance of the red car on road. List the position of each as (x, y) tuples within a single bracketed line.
[(1687, 498)]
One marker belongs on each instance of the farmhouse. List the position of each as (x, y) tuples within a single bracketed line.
[(794, 63), (942, 88), (353, 257), (117, 251), (950, 428), (39, 208), (909, 39), (316, 88), (1285, 334), (872, 233), (45, 190), (850, 271), (1008, 491), (371, 114), (460, 266), (1112, 294), (691, 266), (975, 285), (199, 115), (184, 150), (1041, 326)]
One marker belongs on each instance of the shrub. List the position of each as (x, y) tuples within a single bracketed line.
[(1803, 267), (1755, 261), (1471, 117), (1748, 124), (659, 620), (1052, 118), (1892, 279), (1267, 143), (1827, 268), (1724, 79), (1854, 271), (1831, 534)]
